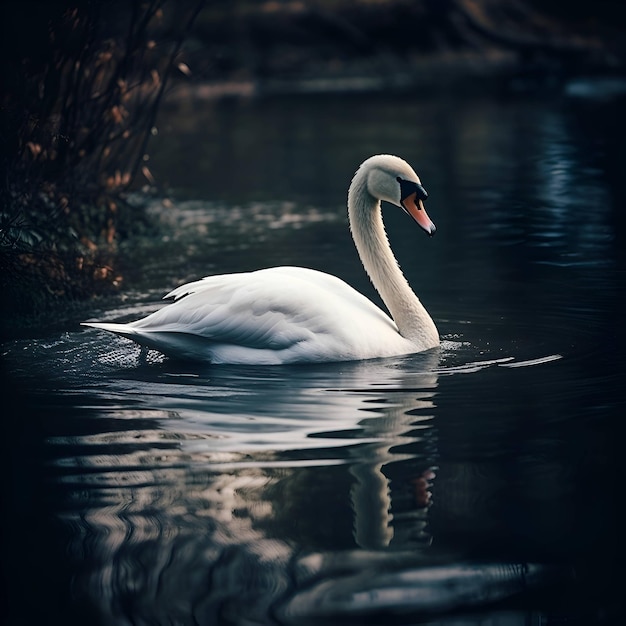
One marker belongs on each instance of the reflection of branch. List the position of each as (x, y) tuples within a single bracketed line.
[(389, 587)]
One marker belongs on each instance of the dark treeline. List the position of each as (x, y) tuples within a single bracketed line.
[(268, 42)]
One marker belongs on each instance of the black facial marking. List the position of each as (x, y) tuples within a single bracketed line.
[(408, 187)]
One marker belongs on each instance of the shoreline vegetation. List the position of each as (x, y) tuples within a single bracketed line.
[(83, 82)]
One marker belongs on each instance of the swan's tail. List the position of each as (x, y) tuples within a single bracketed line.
[(171, 343), (119, 329), (154, 340)]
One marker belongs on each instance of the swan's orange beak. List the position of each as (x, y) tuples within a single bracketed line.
[(415, 208)]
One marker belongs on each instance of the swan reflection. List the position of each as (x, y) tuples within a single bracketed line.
[(174, 514), (405, 419)]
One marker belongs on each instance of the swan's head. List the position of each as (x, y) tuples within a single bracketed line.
[(393, 180)]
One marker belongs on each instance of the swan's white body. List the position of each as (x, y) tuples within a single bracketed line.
[(291, 314)]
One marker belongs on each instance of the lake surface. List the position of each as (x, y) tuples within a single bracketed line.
[(475, 484)]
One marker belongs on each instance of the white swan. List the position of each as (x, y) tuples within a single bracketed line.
[(292, 314)]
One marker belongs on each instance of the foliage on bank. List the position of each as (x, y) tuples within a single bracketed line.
[(82, 83)]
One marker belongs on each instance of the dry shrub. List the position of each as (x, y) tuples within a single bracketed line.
[(82, 83)]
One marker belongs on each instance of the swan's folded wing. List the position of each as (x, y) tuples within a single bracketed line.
[(278, 315), (272, 309)]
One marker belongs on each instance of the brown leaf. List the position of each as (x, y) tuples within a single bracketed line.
[(118, 113), (101, 273), (184, 68), (148, 174), (110, 232), (35, 148), (104, 57), (90, 245)]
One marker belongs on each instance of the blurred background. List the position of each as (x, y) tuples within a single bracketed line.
[(84, 84), (145, 143)]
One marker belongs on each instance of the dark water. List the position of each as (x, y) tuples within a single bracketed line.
[(478, 484)]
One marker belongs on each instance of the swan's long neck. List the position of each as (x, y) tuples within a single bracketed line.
[(372, 244)]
